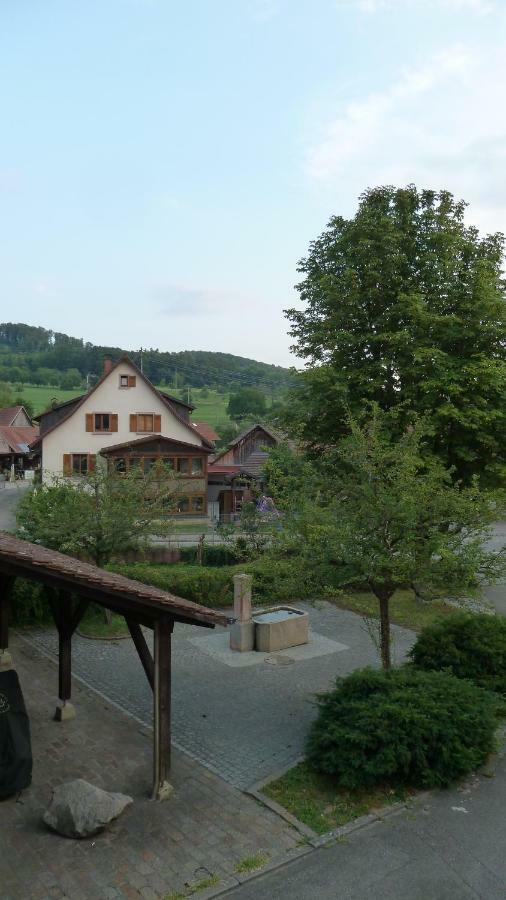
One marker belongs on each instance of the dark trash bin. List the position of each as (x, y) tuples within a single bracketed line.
[(15, 744)]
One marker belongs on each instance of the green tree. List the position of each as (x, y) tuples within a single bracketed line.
[(405, 306), (101, 515), (70, 379), (247, 402), (6, 395), (380, 513)]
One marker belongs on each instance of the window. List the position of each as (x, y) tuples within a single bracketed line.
[(102, 422), (145, 422), (149, 462), (78, 463), (183, 465), (169, 462), (123, 380), (183, 505), (197, 465), (127, 381), (197, 504), (120, 465)]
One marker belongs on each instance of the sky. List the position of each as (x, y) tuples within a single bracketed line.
[(164, 165)]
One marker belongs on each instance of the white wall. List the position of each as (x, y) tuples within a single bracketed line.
[(71, 436)]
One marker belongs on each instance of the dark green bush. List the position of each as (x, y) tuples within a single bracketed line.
[(212, 555), (28, 604), (274, 581), (468, 645), (424, 729)]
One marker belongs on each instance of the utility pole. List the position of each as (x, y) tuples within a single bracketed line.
[(142, 370)]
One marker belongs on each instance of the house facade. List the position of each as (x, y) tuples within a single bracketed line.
[(237, 472), (17, 433), (126, 421)]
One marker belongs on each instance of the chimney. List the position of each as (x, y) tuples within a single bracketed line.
[(107, 365)]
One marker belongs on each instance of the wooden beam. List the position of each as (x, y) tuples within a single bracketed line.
[(161, 703), (6, 585), (142, 649)]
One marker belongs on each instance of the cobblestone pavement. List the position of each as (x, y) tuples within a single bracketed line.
[(205, 828), (242, 723)]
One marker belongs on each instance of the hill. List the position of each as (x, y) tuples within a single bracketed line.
[(38, 356)]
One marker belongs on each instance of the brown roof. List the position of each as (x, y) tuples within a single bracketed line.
[(23, 558), (8, 415), (138, 442), (16, 438), (206, 431), (166, 400)]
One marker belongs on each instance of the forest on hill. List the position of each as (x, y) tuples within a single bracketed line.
[(33, 355)]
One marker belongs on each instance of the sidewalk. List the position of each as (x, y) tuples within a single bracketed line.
[(205, 829)]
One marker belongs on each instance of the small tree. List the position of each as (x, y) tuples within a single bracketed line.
[(386, 516), (247, 402), (101, 515)]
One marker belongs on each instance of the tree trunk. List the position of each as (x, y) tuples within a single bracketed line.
[(383, 595)]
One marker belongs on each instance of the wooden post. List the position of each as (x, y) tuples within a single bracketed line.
[(6, 585), (161, 702), (65, 710), (142, 649)]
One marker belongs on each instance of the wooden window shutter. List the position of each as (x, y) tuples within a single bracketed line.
[(158, 424), (133, 422), (92, 458), (89, 421), (132, 380), (114, 422), (67, 464)]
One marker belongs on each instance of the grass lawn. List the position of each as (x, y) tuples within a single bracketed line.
[(94, 625), (404, 608), (42, 395), (317, 801)]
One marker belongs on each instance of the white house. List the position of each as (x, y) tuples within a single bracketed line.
[(126, 420)]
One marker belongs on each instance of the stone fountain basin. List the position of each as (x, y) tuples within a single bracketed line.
[(279, 628)]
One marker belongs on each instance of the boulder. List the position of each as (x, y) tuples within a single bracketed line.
[(78, 809)]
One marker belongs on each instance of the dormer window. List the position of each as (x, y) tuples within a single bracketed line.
[(127, 381)]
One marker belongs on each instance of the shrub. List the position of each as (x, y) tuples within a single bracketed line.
[(29, 605), (424, 729), (274, 581), (468, 645), (212, 555)]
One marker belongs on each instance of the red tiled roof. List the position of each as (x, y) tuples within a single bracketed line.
[(14, 436), (8, 415), (26, 558), (206, 431)]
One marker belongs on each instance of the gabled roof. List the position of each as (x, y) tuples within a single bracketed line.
[(240, 437), (74, 406), (17, 438), (139, 442), (206, 431), (8, 414)]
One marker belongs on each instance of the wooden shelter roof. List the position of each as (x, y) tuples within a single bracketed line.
[(124, 595)]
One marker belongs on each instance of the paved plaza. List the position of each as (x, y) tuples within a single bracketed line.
[(242, 722), (205, 829)]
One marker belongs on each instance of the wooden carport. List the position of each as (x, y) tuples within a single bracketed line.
[(71, 586)]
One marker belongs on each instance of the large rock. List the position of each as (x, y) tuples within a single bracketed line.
[(78, 809)]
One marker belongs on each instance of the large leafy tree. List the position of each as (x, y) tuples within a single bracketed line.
[(377, 511), (404, 305)]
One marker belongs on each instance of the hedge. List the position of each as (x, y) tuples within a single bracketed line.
[(424, 729), (468, 645)]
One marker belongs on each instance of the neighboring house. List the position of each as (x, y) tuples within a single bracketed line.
[(126, 420), (206, 431), (232, 472), (17, 433)]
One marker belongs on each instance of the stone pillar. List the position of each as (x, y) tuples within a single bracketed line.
[(242, 632)]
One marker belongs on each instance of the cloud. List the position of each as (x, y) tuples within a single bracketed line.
[(185, 301), (437, 125)]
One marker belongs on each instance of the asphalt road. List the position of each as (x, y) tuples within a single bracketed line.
[(449, 846), (10, 496)]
